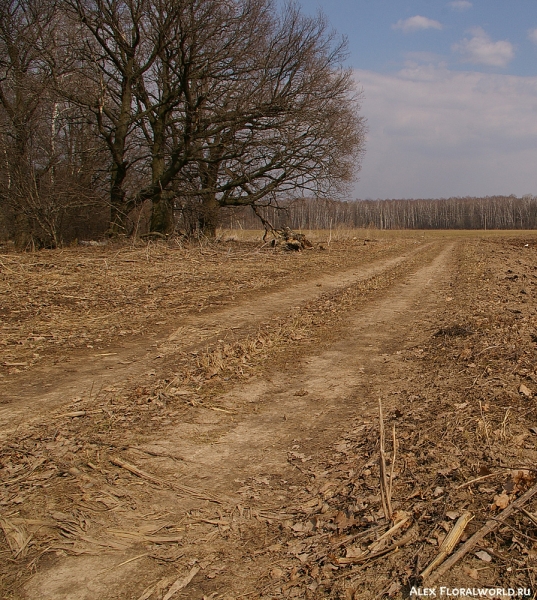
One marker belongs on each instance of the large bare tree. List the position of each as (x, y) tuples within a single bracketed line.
[(198, 103), (266, 111), (294, 128), (211, 103), (108, 53)]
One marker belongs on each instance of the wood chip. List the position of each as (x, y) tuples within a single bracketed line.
[(525, 391)]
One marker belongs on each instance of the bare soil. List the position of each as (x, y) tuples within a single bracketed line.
[(204, 422)]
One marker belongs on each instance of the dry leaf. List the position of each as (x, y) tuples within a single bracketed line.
[(484, 556), (344, 521), (354, 552), (303, 527), (525, 391), (509, 486), (473, 573), (394, 589), (501, 501), (523, 478)]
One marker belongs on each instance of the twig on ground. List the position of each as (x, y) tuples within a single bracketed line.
[(394, 454), (489, 527), (406, 539), (125, 562), (181, 583), (163, 483), (157, 453), (467, 483), (139, 473), (379, 541), (531, 517)]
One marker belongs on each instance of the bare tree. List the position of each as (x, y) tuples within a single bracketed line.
[(266, 111), (235, 106), (26, 28), (300, 129), (209, 56), (113, 48), (199, 103), (47, 149)]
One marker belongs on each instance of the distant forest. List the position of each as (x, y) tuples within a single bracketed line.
[(491, 212)]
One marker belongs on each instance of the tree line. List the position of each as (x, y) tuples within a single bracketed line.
[(491, 212), (123, 115)]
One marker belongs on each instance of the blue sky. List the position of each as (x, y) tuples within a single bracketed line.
[(449, 93)]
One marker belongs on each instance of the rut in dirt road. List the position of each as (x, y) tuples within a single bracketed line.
[(84, 375), (317, 397), (256, 449)]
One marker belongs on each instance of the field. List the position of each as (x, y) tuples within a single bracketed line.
[(202, 421)]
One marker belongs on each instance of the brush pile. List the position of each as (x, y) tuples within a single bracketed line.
[(287, 239)]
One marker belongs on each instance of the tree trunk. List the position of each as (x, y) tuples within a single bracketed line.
[(118, 205), (162, 220), (209, 216)]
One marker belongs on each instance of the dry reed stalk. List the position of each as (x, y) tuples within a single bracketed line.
[(181, 583), (406, 539), (163, 483), (452, 539), (376, 545), (531, 517), (394, 454), (385, 489)]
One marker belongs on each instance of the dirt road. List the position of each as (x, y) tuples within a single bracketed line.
[(237, 456), (82, 373), (218, 474)]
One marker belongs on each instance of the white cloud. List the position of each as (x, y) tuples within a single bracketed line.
[(532, 35), (414, 60), (481, 50), (460, 5), (438, 133), (416, 24)]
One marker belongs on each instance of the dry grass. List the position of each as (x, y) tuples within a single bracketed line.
[(55, 301), (343, 233)]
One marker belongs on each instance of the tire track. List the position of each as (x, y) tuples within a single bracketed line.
[(305, 408), (85, 374)]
